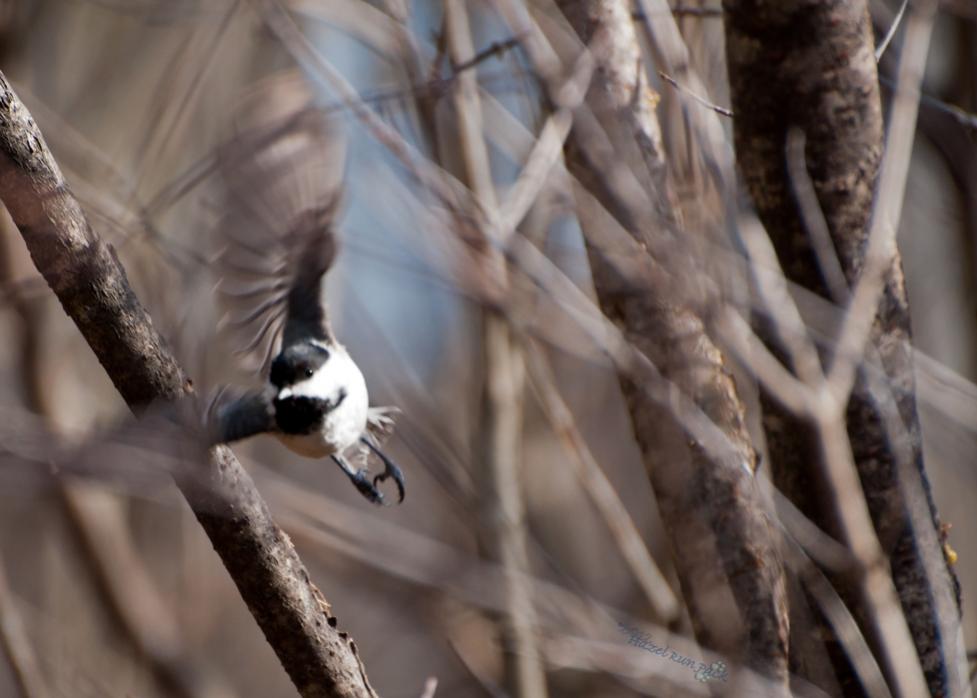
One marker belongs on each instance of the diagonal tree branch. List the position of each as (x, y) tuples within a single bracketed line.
[(92, 287)]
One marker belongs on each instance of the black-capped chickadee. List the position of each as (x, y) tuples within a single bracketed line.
[(284, 175)]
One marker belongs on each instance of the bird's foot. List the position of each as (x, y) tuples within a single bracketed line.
[(391, 470), (361, 479)]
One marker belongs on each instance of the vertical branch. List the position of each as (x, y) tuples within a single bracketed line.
[(500, 447), (500, 458), (698, 497)]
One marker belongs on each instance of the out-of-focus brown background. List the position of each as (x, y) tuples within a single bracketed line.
[(114, 585)]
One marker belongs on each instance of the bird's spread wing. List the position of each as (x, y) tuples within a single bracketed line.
[(283, 170)]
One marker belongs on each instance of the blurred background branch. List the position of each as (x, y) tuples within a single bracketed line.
[(539, 195)]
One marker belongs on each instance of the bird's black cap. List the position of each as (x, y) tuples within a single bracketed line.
[(297, 363)]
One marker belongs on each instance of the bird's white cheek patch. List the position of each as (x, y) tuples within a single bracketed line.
[(324, 383)]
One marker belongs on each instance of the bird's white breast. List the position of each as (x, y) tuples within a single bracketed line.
[(343, 426)]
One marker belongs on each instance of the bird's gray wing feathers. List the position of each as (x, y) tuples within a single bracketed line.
[(283, 170)]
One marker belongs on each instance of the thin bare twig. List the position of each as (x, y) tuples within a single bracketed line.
[(789, 326), (684, 11), (884, 44), (764, 366), (496, 48), (877, 590), (722, 111), (814, 220), (842, 621)]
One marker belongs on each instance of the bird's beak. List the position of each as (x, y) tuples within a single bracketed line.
[(285, 393)]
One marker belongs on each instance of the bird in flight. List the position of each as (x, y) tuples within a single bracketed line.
[(283, 170)]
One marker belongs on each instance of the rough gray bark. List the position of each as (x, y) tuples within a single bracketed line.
[(716, 521), (92, 287), (809, 64)]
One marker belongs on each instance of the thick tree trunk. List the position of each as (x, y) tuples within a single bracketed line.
[(810, 65), (723, 543)]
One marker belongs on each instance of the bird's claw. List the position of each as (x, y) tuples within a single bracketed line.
[(390, 468), (361, 477), (368, 489), (397, 474)]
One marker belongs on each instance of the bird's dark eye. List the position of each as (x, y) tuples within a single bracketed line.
[(308, 373)]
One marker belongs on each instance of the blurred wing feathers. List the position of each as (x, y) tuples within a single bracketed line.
[(283, 172)]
